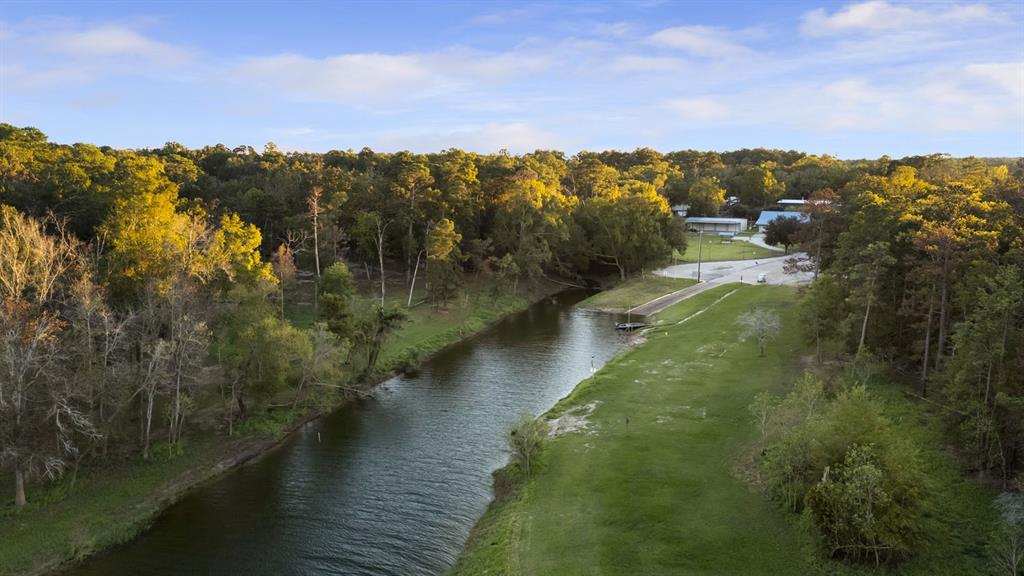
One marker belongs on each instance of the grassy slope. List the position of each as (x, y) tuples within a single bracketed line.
[(714, 250), (114, 503), (105, 507), (660, 496), (656, 496), (634, 292), (429, 329)]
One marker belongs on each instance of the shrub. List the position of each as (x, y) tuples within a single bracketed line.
[(858, 482), (525, 440), (858, 511)]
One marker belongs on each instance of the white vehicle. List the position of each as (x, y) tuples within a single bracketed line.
[(762, 278)]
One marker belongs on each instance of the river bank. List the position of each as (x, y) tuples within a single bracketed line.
[(648, 479), (634, 292), (103, 507)]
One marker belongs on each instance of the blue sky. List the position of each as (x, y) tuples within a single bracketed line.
[(852, 79)]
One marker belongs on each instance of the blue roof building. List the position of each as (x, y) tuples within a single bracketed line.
[(768, 215)]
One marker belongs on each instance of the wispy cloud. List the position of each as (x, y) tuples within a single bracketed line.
[(705, 41), (1006, 75), (632, 63), (499, 17), (880, 16), (699, 109), (346, 79), (517, 137), (69, 54), (112, 40), (375, 80), (881, 71), (615, 29)]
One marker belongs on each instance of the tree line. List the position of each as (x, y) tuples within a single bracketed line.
[(919, 277), (141, 286)]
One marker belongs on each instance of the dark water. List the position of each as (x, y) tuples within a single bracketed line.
[(395, 483)]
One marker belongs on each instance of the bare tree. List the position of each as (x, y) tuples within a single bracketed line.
[(153, 374), (762, 409), (313, 203), (40, 414), (283, 261), (1008, 547), (760, 324), (100, 349), (153, 357), (189, 343), (373, 227)]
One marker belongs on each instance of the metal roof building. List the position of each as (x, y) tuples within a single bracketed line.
[(768, 215), (708, 224)]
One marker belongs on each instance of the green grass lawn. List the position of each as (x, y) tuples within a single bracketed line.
[(716, 250), (651, 486), (634, 292)]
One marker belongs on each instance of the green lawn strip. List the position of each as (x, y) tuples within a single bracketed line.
[(656, 496), (686, 308), (114, 502), (715, 249), (634, 292)]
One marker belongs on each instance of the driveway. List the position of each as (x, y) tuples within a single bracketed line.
[(758, 240), (717, 273)]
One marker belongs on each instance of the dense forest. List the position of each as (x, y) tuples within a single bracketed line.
[(919, 275), (140, 287)]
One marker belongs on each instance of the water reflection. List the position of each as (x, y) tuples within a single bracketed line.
[(395, 483)]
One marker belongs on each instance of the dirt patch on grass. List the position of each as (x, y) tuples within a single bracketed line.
[(575, 420)]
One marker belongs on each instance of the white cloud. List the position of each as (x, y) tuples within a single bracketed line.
[(706, 41), (890, 73), (517, 137), (879, 16), (36, 78), (699, 109), (631, 63), (48, 53), (947, 101), (501, 16), (351, 78), (614, 29), (115, 41), (95, 101), (1007, 75), (372, 79)]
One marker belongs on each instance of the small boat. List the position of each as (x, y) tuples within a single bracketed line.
[(630, 326)]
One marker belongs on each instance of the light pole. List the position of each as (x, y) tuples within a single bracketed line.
[(700, 246)]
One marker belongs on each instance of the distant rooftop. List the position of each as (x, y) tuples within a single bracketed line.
[(710, 220), (769, 215)]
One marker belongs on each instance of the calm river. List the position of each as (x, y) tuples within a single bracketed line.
[(389, 486)]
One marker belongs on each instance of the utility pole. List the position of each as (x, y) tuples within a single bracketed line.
[(700, 246)]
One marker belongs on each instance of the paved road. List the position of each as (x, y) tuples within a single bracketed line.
[(758, 240), (717, 273)]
